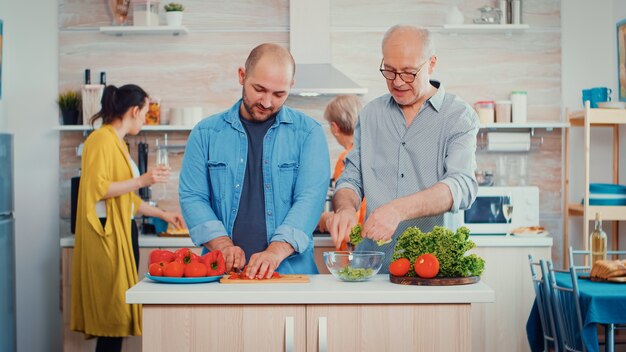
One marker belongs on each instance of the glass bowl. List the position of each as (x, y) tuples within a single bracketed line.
[(353, 266)]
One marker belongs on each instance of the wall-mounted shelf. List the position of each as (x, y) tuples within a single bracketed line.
[(121, 30), (547, 125), (538, 124), (485, 28), (149, 128)]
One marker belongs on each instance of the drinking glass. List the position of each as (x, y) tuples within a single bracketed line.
[(162, 160), (507, 211), (495, 209)]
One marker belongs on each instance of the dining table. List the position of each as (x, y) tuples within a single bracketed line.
[(600, 303)]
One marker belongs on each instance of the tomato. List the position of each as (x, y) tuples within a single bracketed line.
[(174, 269), (426, 266), (159, 255), (156, 269), (400, 267), (195, 269)]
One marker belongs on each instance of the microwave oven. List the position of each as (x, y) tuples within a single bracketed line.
[(486, 217)]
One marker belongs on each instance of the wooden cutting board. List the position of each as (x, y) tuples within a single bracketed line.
[(166, 234), (438, 281), (284, 279)]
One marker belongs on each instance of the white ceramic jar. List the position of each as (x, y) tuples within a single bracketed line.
[(520, 106), (145, 12)]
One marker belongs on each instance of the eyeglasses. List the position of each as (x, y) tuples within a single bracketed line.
[(406, 77)]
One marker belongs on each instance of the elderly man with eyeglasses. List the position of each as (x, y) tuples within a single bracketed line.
[(414, 151)]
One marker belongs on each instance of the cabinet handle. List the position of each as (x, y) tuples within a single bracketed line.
[(322, 335), (288, 334)]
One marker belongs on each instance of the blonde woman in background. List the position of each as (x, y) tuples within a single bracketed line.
[(342, 114)]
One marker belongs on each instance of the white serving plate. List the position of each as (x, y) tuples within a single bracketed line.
[(612, 105)]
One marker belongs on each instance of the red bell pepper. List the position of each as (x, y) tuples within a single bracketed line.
[(214, 262), (186, 256), (161, 255)]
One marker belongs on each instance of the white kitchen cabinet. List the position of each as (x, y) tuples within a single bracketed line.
[(501, 326), (385, 327), (224, 328)]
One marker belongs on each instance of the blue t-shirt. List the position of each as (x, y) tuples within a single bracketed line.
[(250, 229)]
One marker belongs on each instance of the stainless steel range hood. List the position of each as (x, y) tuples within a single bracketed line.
[(309, 43)]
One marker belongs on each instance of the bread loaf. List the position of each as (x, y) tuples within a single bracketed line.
[(605, 269)]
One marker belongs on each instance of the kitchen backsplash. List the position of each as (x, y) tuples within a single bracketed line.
[(199, 68)]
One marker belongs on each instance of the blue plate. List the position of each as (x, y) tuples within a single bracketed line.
[(607, 188), (183, 280)]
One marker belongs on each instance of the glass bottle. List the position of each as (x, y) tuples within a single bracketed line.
[(597, 242)]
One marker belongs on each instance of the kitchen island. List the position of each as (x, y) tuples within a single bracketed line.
[(325, 314), (496, 327)]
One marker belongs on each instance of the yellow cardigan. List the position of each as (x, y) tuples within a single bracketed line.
[(104, 264)]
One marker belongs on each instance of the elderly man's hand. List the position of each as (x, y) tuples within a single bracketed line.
[(340, 224), (382, 223)]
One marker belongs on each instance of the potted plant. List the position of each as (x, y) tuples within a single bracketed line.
[(174, 14), (69, 104)]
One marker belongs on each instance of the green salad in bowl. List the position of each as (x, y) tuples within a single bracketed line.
[(353, 266)]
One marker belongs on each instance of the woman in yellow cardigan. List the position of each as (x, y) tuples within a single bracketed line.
[(106, 252)]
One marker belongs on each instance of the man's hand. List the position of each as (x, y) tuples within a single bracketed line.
[(340, 224), (322, 224), (234, 257), (382, 223), (263, 264)]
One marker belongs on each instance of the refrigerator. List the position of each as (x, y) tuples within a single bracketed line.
[(7, 246)]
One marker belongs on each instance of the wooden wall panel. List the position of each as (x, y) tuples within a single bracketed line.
[(191, 70), (199, 69)]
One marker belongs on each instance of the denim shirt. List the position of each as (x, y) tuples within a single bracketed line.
[(296, 172)]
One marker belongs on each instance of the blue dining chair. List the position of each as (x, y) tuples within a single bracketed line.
[(544, 304), (609, 329), (574, 253), (566, 305)]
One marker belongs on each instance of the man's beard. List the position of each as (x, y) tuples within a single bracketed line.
[(250, 108)]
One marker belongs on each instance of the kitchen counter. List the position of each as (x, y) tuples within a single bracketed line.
[(493, 329), (178, 242), (323, 289), (323, 240), (323, 315), (145, 241)]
